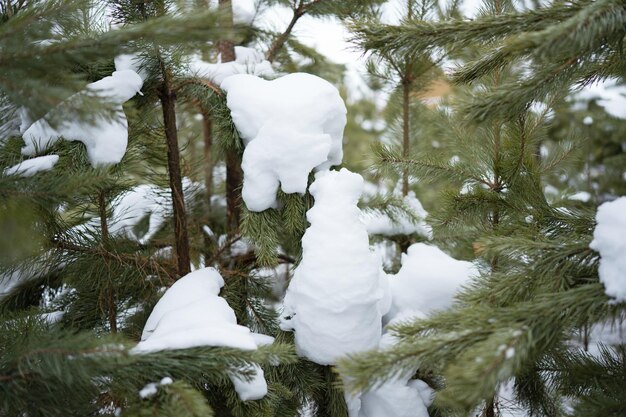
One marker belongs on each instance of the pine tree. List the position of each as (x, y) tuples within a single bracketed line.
[(98, 244), (539, 286), (77, 291)]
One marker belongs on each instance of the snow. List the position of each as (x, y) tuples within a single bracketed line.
[(427, 280), (30, 167), (583, 196), (609, 239), (141, 201), (104, 137), (400, 396), (53, 317), (382, 224), (290, 126), (130, 62), (336, 298), (191, 314), (244, 11), (609, 94), (149, 390), (134, 205), (247, 61)]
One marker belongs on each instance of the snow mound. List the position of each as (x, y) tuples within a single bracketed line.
[(290, 126), (400, 396), (609, 94), (336, 298), (382, 224), (30, 167), (191, 314), (134, 205), (609, 240), (105, 138), (427, 280), (582, 196), (131, 62), (247, 61)]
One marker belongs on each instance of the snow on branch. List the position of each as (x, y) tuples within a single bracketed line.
[(290, 126)]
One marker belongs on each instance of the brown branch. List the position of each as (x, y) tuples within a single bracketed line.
[(148, 264), (176, 86), (168, 103), (279, 42), (234, 174)]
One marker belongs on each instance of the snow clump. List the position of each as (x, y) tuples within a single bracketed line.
[(337, 297), (402, 224), (191, 314), (609, 241), (289, 126), (30, 167), (401, 395), (105, 138), (427, 280), (247, 61)]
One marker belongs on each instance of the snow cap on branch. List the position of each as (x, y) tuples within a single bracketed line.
[(105, 138), (290, 126), (247, 61), (609, 239), (30, 167), (427, 280), (337, 297), (191, 314)]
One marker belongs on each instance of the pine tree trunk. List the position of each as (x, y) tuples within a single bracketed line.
[(405, 134), (102, 211), (111, 306), (168, 102), (207, 133), (234, 175)]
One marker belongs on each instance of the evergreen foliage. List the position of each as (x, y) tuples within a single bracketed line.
[(539, 285), (78, 284)]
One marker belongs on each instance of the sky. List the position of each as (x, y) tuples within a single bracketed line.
[(329, 37)]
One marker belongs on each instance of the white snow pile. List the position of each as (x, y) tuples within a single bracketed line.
[(150, 390), (609, 239), (244, 11), (609, 94), (427, 280), (30, 167), (290, 126), (336, 298), (582, 196), (131, 62), (247, 61), (145, 200), (105, 138), (191, 314), (402, 224), (400, 396)]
